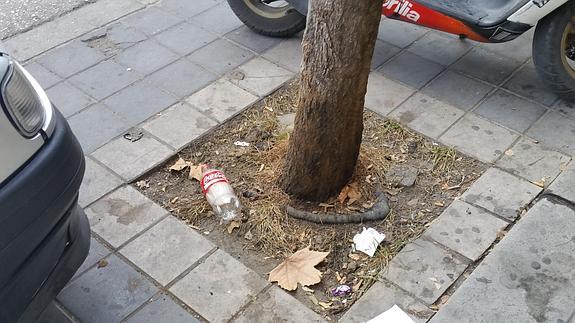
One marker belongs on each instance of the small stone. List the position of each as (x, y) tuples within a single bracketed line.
[(401, 175)]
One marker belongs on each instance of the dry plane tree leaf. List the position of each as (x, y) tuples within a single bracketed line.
[(196, 172), (179, 165), (298, 268), (350, 192)]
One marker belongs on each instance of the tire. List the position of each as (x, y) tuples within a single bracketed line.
[(268, 21), (549, 51)]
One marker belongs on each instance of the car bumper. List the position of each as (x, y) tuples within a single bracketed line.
[(44, 235)]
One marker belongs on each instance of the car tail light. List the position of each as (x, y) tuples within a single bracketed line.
[(22, 101)]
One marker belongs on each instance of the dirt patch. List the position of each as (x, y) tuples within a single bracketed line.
[(389, 155)]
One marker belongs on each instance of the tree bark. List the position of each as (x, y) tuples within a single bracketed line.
[(337, 50)]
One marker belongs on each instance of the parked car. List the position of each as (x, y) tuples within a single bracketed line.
[(44, 235)]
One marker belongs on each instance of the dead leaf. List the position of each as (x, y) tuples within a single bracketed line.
[(509, 152), (233, 225), (501, 234), (357, 286), (179, 165), (248, 235), (354, 256), (142, 184), (563, 167), (102, 263), (343, 194), (298, 268), (351, 192), (196, 172), (325, 305), (540, 183)]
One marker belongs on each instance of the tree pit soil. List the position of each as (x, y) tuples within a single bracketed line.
[(267, 235)]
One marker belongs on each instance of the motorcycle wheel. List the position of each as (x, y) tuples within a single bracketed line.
[(554, 51), (275, 18)]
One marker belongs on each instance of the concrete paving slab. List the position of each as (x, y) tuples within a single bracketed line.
[(68, 99), (528, 277), (179, 125), (411, 69), (260, 76), (97, 252), (104, 79), (465, 229), (458, 90), (379, 298), (97, 182), (70, 58), (219, 287), (46, 78), (486, 65), (510, 111), (182, 78), (425, 270), (146, 57), (564, 185), (221, 100), (528, 84), (555, 131), (533, 161), (161, 308), (107, 294), (501, 193), (276, 305), (54, 314), (426, 115), (250, 39), (440, 48), (220, 56), (384, 95), (564, 107), (123, 214), (382, 53), (520, 49), (399, 33), (185, 38), (219, 19), (111, 39), (167, 249), (186, 8), (152, 20), (287, 54), (479, 138), (132, 159)]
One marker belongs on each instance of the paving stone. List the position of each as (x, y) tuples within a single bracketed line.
[(382, 53), (46, 78), (487, 66), (113, 38), (219, 287), (501, 193), (221, 100), (399, 33), (384, 95), (440, 48), (276, 305), (379, 298), (260, 76), (256, 42), (426, 115), (564, 185), (519, 49), (510, 111), (123, 214), (288, 54), (185, 38), (458, 90), (97, 252), (97, 182), (51, 34), (103, 79), (70, 58), (425, 270), (182, 78), (107, 294), (533, 161), (54, 314), (220, 56), (465, 229), (164, 251), (528, 84), (68, 99), (555, 131), (527, 277), (161, 308), (146, 57), (139, 102), (132, 159), (567, 108), (179, 125), (95, 126), (411, 69), (219, 19), (152, 20), (479, 138), (187, 8)]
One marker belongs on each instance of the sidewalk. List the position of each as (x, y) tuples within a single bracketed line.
[(167, 67)]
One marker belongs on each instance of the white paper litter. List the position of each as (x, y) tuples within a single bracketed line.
[(242, 143), (392, 315), (367, 241)]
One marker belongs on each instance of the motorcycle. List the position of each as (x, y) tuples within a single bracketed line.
[(489, 21)]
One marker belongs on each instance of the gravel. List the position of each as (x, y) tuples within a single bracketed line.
[(17, 16)]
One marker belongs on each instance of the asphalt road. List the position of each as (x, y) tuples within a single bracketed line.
[(17, 16)]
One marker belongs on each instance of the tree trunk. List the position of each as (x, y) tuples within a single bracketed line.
[(337, 49)]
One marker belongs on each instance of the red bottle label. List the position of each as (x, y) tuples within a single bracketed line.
[(212, 177)]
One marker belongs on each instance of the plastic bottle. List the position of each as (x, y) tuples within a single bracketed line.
[(220, 194)]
